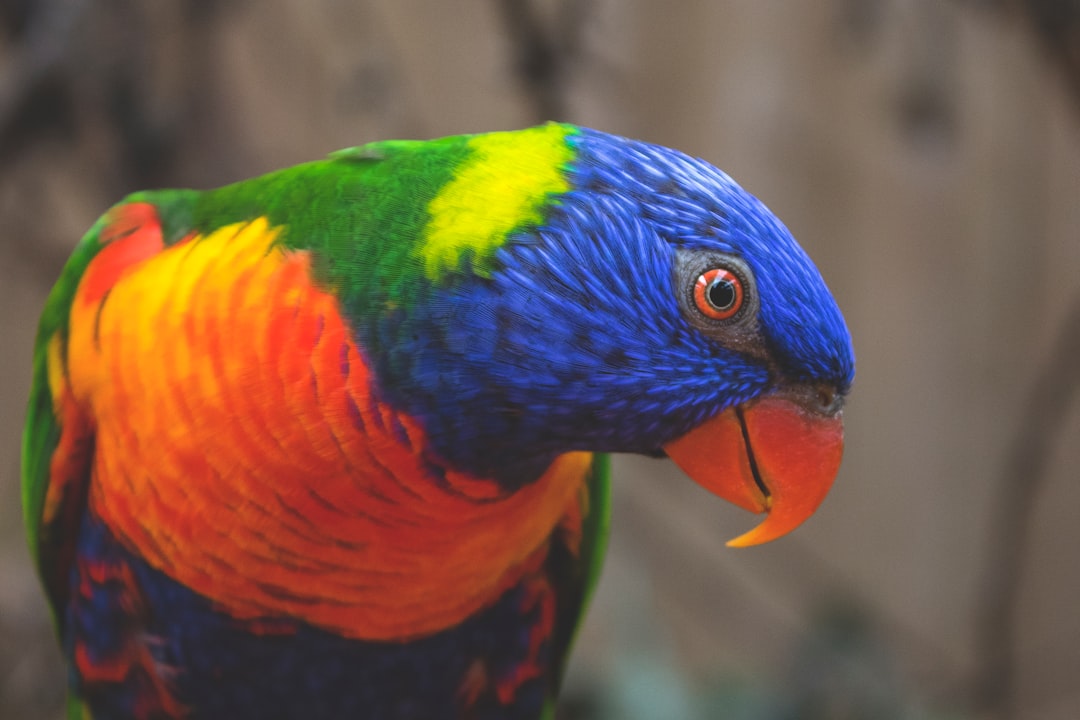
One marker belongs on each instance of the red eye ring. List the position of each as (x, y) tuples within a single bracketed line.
[(718, 294)]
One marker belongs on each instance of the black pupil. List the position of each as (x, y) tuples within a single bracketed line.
[(721, 293)]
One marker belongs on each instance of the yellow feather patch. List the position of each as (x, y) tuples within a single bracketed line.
[(502, 186), (54, 362)]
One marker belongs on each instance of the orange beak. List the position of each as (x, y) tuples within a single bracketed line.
[(772, 456)]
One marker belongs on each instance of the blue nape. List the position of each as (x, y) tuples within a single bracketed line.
[(577, 340), (291, 671)]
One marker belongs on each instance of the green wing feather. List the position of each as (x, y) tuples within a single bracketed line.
[(597, 529), (51, 540), (594, 541), (386, 185), (383, 187)]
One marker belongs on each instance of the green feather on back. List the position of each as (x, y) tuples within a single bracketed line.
[(378, 218), (42, 429)]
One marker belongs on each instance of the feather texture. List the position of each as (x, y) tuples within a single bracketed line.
[(330, 442)]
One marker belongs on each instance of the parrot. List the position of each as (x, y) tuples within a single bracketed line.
[(335, 441)]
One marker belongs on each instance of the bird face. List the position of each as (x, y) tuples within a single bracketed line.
[(708, 319), (658, 308), (779, 452)]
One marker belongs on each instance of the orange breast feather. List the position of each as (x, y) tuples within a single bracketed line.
[(240, 451)]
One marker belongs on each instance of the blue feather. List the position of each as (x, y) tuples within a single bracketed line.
[(577, 340)]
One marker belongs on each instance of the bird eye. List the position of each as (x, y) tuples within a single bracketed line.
[(718, 293)]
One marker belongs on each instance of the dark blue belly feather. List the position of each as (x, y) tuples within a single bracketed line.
[(145, 646)]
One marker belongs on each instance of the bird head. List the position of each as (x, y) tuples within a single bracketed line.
[(616, 296)]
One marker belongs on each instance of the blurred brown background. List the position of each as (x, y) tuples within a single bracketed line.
[(927, 155)]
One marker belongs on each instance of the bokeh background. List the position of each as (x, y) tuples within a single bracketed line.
[(927, 155)]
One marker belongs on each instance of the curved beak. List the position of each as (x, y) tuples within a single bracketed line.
[(772, 456)]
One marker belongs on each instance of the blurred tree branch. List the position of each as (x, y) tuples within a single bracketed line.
[(1056, 24), (1023, 477), (545, 51), (35, 61)]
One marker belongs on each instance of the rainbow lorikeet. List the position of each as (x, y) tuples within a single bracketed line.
[(332, 442)]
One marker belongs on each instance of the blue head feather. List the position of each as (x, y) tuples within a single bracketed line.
[(577, 340)]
